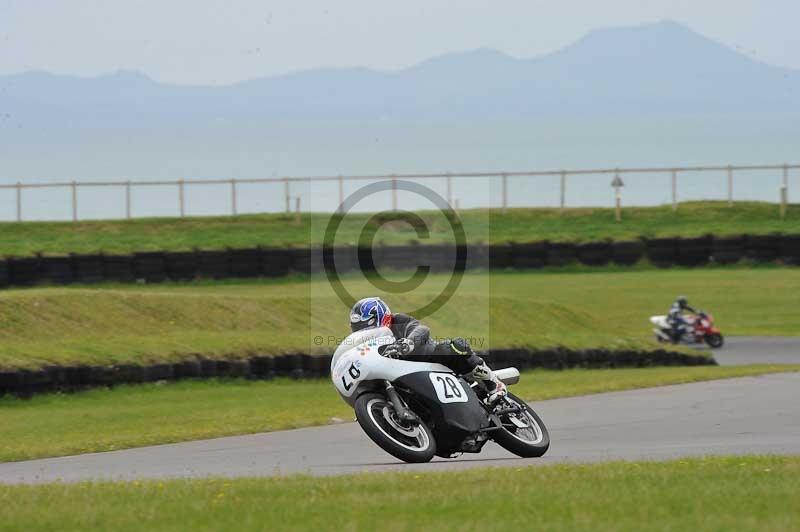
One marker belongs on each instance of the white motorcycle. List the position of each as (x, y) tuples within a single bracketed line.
[(418, 410)]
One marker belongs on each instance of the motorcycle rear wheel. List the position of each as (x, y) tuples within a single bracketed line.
[(715, 341), (531, 441), (409, 443)]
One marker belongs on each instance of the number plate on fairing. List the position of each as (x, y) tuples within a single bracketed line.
[(448, 388)]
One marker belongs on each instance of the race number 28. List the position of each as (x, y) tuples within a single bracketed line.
[(448, 388)]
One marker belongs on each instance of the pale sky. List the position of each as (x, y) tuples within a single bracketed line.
[(218, 42)]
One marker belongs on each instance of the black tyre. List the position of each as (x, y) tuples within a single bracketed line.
[(715, 340), (527, 436), (409, 443)]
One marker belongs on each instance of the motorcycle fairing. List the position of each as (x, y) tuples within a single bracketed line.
[(452, 419), (359, 362)]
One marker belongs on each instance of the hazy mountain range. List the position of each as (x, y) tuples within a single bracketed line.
[(658, 68)]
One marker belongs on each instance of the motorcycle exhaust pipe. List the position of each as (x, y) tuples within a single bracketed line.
[(508, 376)]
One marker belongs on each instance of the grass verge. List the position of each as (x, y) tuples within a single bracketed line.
[(488, 225), (730, 493), (150, 414), (80, 325)]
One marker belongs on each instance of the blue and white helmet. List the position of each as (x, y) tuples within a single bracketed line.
[(370, 312)]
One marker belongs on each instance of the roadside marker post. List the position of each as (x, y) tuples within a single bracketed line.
[(674, 190), (784, 191), (618, 184)]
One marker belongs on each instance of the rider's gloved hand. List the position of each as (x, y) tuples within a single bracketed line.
[(392, 351), (401, 347), (406, 345)]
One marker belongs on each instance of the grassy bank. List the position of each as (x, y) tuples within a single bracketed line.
[(134, 416), (733, 493), (104, 325), (487, 225)]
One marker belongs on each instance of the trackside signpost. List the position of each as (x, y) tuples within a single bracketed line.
[(617, 184)]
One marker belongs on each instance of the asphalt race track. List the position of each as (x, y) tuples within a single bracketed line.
[(740, 350), (750, 415)]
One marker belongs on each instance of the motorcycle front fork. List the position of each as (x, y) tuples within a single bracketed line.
[(400, 408)]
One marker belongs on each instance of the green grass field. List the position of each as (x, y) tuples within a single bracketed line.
[(149, 414), (111, 324), (731, 493), (481, 225)]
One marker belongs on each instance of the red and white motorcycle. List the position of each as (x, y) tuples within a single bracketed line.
[(699, 329), (417, 410)]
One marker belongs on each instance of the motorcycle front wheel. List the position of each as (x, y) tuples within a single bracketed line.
[(715, 340), (523, 434), (413, 443)]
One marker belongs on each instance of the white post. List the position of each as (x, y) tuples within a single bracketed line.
[(394, 193), (180, 197), (234, 209), (128, 200), (74, 187), (674, 190), (341, 194), (297, 209), (730, 186), (563, 191), (505, 192), (287, 197), (19, 201), (784, 191)]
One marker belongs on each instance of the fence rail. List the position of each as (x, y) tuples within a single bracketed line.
[(563, 175)]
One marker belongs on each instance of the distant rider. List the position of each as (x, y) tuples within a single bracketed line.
[(413, 342), (676, 318)]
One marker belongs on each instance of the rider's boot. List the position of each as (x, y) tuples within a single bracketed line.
[(495, 386), (480, 371)]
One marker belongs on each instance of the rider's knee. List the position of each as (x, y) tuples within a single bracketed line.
[(460, 346)]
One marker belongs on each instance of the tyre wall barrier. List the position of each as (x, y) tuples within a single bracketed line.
[(181, 265), (58, 270), (560, 254), (728, 250), (627, 253), (245, 262), (275, 262), (23, 272), (528, 256), (212, 264), (150, 266), (790, 251), (118, 268), (158, 266), (3, 274), (595, 253), (501, 256), (91, 269), (764, 248), (25, 383), (663, 252), (693, 251)]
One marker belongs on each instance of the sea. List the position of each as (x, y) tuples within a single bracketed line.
[(259, 149)]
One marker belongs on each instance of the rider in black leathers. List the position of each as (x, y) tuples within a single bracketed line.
[(414, 342)]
